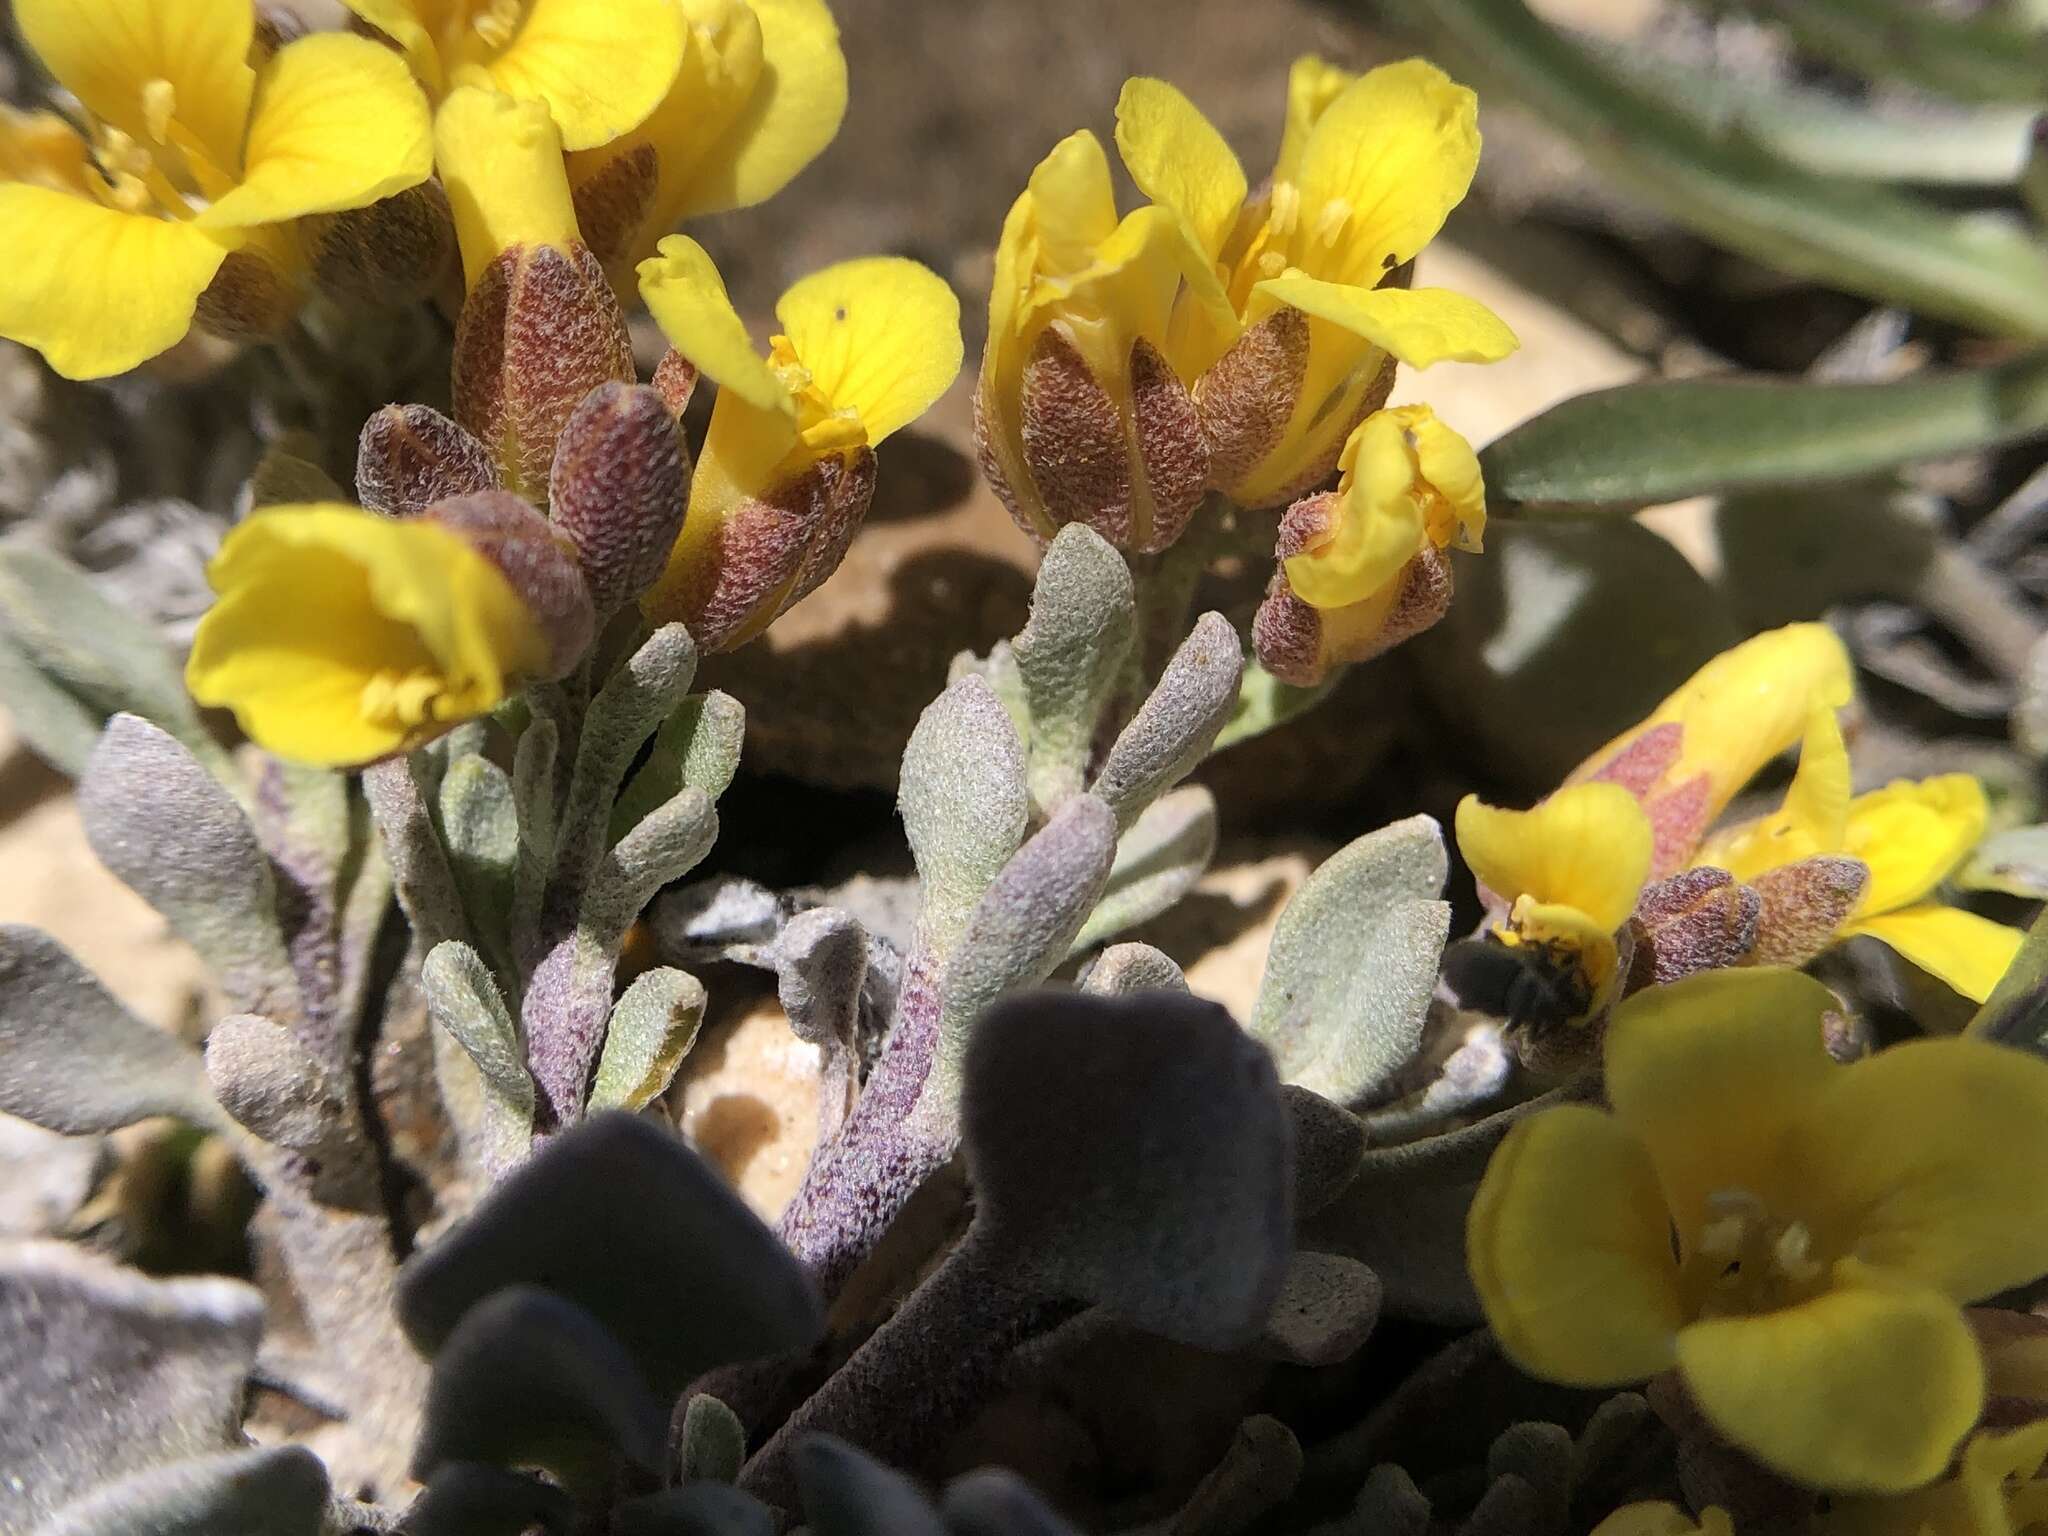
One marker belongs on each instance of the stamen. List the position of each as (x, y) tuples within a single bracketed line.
[(1330, 223), (1793, 1253), (498, 22), (159, 105), (407, 699), (1284, 210)]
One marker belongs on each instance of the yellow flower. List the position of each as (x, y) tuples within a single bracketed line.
[(1795, 1237), (1718, 730), (1909, 837), (189, 155), (1569, 872), (1658, 1519), (1293, 333), (600, 65), (787, 467), (1996, 1490), (1078, 415), (761, 90), (340, 636)]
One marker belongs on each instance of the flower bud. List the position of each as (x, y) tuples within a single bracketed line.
[(1803, 906), (1698, 920), (340, 636), (620, 482), (255, 292), (411, 456), (395, 251), (540, 328)]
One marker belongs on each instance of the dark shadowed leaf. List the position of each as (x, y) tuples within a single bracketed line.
[(848, 1493), (467, 1498), (277, 1491)]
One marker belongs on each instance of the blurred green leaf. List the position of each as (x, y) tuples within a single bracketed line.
[(1974, 268), (2014, 861), (1636, 445), (2016, 1012), (1975, 58)]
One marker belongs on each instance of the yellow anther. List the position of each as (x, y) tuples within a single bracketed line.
[(497, 22), (407, 699), (159, 105)]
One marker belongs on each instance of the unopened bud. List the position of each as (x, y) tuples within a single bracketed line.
[(768, 551), (540, 566), (249, 299), (411, 456), (393, 252), (540, 330), (1803, 906), (620, 482), (1299, 644), (1698, 920)]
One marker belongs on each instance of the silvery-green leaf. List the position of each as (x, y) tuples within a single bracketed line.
[(268, 1082), (1158, 862), (713, 1442), (1174, 729), (2014, 861), (163, 824), (110, 1372), (479, 827), (697, 747), (73, 1059), (1983, 271), (629, 707), (964, 802), (463, 999), (666, 844), (999, 670), (278, 1490), (653, 1025), (1264, 703), (1353, 962), (419, 864), (62, 639), (1070, 656), (1126, 968), (1328, 1305)]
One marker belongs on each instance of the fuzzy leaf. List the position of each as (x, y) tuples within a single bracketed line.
[(848, 1493), (994, 1501), (272, 1085), (2014, 862), (713, 1442), (463, 999), (420, 875), (653, 1025), (1328, 1142), (664, 845), (1327, 1307), (110, 1372), (1353, 962), (1174, 729), (528, 1378), (2016, 1012), (73, 1059), (964, 803), (1125, 968), (71, 659), (1070, 656), (479, 826), (697, 747), (1158, 862), (163, 824), (620, 1217), (701, 1509), (821, 966), (275, 1491), (629, 707), (1134, 1153)]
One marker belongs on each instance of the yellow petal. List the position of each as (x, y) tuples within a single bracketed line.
[(1929, 1159), (1913, 834), (1312, 84), (1567, 1241), (338, 123), (400, 20), (687, 298), (98, 291), (501, 161), (1420, 326), (1712, 1073), (1456, 504), (326, 610), (107, 53), (1660, 1519), (1385, 163), (1179, 160), (1380, 525), (790, 113), (1968, 952), (1861, 1388), (601, 66), (1587, 847), (1811, 821), (1073, 203), (40, 147), (879, 336)]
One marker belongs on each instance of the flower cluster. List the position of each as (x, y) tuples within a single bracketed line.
[(1614, 882)]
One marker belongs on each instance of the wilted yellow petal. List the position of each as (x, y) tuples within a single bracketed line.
[(1862, 1388), (1928, 1159), (789, 113), (108, 53), (880, 336), (1712, 1072), (98, 291), (601, 66), (1456, 504), (338, 123), (501, 161), (1812, 819), (1179, 160), (1912, 834), (1969, 952), (1587, 847), (688, 300), (1568, 1246), (340, 636), (1387, 160), (1420, 326), (1312, 84)]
